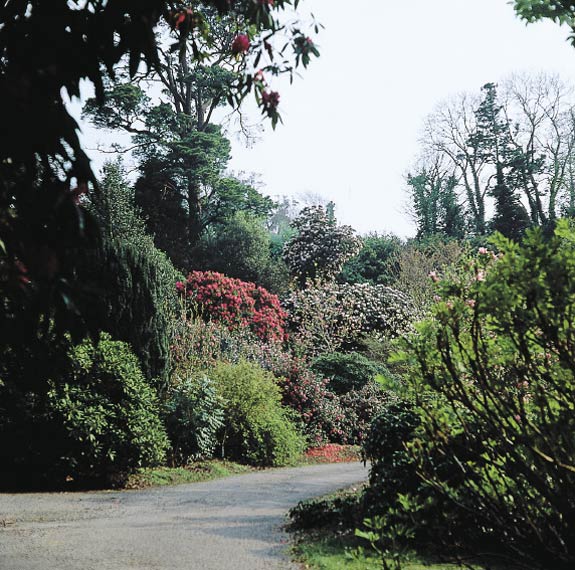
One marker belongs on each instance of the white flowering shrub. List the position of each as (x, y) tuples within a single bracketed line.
[(329, 317), (320, 248)]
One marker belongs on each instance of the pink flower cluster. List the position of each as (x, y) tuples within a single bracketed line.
[(236, 304)]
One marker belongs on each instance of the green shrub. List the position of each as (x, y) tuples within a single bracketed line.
[(498, 359), (341, 511), (346, 371), (392, 470), (257, 428), (108, 412), (194, 415), (82, 414)]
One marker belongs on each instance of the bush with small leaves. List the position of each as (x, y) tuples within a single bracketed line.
[(361, 407), (194, 414), (109, 413), (257, 429), (392, 470), (83, 415)]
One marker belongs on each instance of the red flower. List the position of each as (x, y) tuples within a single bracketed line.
[(241, 44), (270, 99)]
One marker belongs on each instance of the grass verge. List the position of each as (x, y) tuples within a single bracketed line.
[(320, 551), (194, 473), (215, 469)]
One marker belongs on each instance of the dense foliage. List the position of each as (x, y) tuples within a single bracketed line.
[(495, 380), (109, 411), (376, 262), (241, 247), (194, 416), (132, 294), (80, 414), (345, 371)]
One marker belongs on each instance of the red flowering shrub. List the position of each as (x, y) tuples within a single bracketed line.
[(308, 394), (234, 303)]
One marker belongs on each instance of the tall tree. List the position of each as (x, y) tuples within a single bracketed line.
[(448, 132), (241, 248), (183, 156), (434, 203), (47, 47), (527, 127), (494, 143), (540, 108)]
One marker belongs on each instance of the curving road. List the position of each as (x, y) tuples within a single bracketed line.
[(234, 523)]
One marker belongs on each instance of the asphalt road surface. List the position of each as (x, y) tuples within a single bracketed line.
[(234, 523)]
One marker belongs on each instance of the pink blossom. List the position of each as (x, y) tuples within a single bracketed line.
[(470, 303)]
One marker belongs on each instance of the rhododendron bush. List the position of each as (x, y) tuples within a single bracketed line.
[(234, 303), (332, 316), (307, 393)]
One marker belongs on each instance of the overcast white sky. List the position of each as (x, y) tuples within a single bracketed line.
[(352, 122)]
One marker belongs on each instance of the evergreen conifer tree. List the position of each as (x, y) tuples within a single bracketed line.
[(134, 282)]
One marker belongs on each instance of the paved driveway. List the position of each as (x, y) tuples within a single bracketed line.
[(234, 523)]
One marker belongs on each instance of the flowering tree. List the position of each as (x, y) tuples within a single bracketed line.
[(234, 303), (320, 247), (327, 317)]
